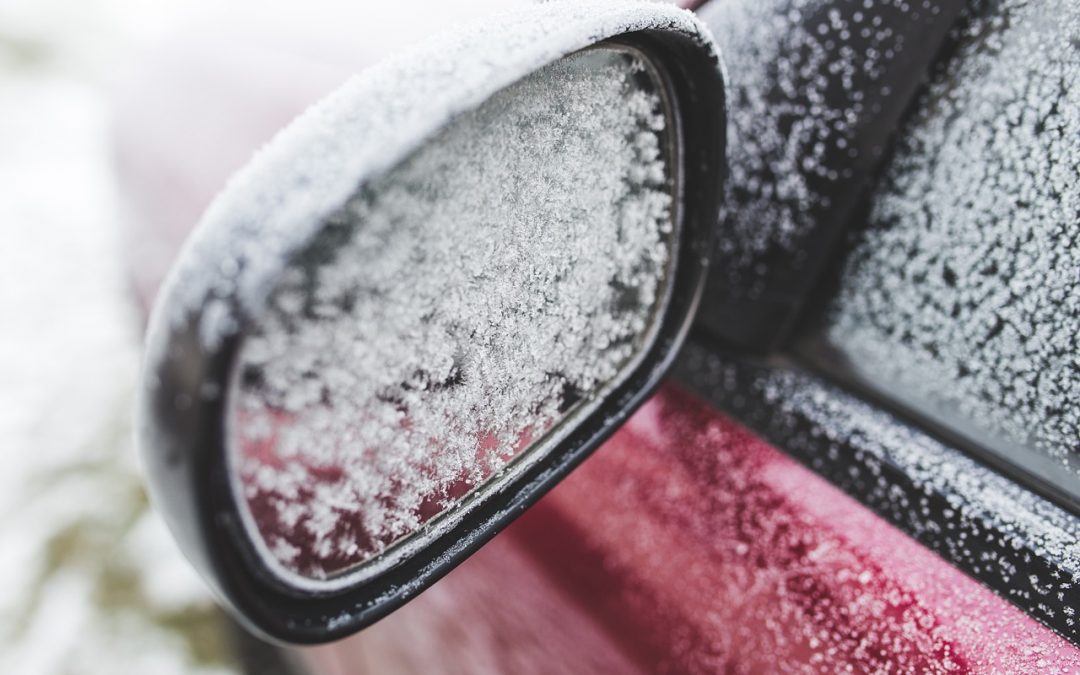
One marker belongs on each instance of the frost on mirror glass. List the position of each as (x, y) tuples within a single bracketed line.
[(453, 313), (964, 290)]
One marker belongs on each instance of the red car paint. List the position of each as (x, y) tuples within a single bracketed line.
[(687, 545)]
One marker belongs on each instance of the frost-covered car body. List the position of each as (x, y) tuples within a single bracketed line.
[(863, 460)]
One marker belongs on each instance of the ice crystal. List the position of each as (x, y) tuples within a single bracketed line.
[(454, 311)]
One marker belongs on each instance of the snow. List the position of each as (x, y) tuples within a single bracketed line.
[(462, 306), (93, 581), (91, 576), (365, 128)]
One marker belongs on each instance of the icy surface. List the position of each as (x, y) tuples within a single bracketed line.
[(1013, 540), (454, 311), (983, 502), (965, 289), (804, 79)]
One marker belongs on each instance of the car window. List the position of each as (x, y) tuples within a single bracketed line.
[(962, 294)]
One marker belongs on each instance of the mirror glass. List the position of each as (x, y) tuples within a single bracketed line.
[(454, 315)]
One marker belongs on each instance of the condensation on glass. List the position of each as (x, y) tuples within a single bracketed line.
[(453, 314)]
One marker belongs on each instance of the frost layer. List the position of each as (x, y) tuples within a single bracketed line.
[(454, 311), (871, 600), (965, 290), (807, 82)]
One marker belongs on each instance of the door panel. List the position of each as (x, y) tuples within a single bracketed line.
[(687, 545)]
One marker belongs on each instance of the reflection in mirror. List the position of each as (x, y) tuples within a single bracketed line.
[(454, 315)]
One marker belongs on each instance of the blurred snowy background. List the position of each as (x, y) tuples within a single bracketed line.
[(92, 582)]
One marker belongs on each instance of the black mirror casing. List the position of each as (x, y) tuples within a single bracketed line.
[(199, 321)]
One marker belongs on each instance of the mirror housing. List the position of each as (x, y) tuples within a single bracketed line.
[(277, 205)]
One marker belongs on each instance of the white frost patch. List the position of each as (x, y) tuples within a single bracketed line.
[(454, 311), (367, 127), (795, 89), (965, 290)]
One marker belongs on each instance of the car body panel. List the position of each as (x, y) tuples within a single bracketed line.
[(688, 545)]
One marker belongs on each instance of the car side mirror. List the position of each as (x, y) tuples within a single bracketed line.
[(425, 301)]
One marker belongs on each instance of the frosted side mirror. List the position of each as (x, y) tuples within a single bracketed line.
[(425, 301)]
